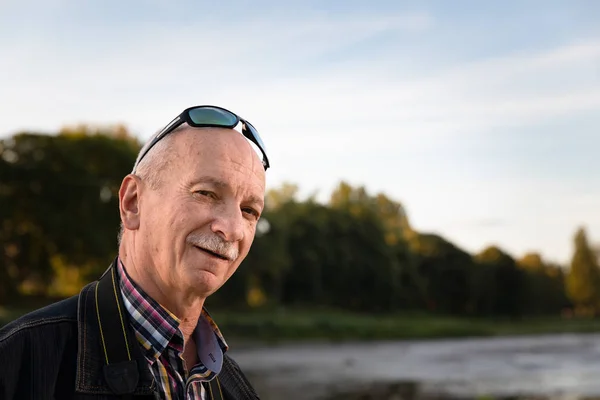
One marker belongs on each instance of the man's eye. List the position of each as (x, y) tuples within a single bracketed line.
[(206, 193), (251, 211)]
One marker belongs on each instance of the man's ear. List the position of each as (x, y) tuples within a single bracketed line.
[(129, 198)]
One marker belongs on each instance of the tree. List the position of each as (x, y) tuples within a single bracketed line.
[(500, 285), (58, 202), (545, 285), (444, 272), (583, 280), (391, 216), (276, 198)]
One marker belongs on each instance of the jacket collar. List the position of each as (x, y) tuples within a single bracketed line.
[(109, 359)]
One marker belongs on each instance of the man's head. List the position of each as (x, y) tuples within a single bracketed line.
[(190, 211)]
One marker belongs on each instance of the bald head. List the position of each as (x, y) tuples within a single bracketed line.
[(187, 142)]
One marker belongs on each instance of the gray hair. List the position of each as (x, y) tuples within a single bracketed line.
[(151, 168), (158, 159)]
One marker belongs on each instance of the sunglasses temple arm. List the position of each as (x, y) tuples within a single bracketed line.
[(247, 132), (161, 134)]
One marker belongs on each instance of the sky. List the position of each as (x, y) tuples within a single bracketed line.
[(481, 118)]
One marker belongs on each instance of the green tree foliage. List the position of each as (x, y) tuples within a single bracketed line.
[(407, 284), (545, 283), (445, 270), (339, 260), (59, 221), (583, 280), (500, 286), (358, 202), (58, 196)]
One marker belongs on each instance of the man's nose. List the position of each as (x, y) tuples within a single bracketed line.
[(229, 224)]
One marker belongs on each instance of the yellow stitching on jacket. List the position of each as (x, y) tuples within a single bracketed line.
[(219, 386), (100, 325), (120, 313)]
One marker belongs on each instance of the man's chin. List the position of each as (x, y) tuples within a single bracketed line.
[(206, 282)]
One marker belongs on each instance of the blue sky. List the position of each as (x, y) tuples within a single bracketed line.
[(482, 118)]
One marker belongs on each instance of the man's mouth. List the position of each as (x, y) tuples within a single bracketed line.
[(212, 253)]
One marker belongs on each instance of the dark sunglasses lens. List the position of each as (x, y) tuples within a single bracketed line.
[(212, 116)]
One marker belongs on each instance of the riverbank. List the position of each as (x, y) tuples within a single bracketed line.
[(341, 326), (301, 325)]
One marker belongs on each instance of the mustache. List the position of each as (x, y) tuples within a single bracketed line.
[(215, 244)]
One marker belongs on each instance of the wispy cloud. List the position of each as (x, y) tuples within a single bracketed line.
[(203, 60), (371, 97)]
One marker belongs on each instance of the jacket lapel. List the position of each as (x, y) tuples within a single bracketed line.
[(115, 340)]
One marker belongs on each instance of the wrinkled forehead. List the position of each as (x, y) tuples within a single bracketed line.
[(218, 149), (197, 135)]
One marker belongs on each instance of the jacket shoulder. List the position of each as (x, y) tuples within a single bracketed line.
[(64, 311), (42, 347), (234, 382)]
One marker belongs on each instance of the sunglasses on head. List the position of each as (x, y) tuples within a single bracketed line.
[(203, 117)]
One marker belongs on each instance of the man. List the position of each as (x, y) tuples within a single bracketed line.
[(189, 211)]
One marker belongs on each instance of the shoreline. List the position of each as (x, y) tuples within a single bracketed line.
[(251, 328), (335, 327)]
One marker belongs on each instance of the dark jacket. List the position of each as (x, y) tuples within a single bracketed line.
[(59, 352)]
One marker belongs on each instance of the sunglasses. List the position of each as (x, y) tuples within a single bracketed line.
[(203, 117)]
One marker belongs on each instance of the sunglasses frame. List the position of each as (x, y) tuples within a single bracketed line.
[(248, 130)]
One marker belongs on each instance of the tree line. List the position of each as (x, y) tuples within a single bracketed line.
[(357, 251)]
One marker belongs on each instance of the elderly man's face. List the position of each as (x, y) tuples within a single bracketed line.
[(199, 224)]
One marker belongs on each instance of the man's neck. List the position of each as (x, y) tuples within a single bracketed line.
[(186, 307)]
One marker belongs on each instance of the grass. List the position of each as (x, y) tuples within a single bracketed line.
[(303, 325), (337, 325)]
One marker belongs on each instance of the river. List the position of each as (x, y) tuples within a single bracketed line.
[(541, 367)]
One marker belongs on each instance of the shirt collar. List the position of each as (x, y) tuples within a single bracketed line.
[(156, 328)]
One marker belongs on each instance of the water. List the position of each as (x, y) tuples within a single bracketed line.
[(563, 367)]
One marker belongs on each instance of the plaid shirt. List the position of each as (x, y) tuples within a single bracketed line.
[(158, 332)]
